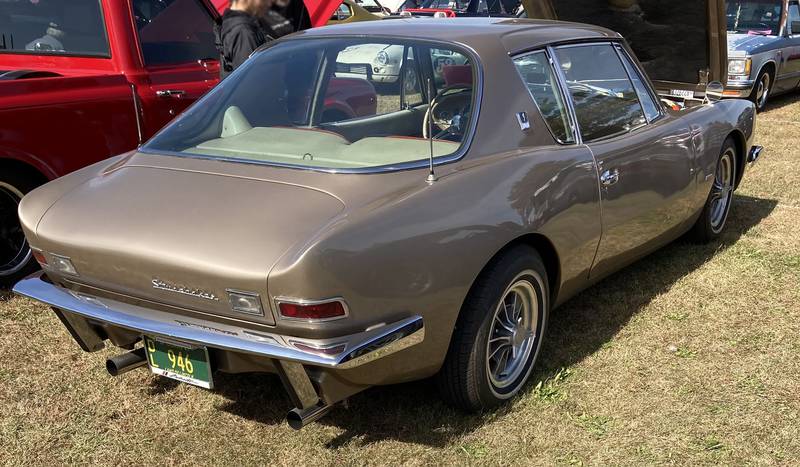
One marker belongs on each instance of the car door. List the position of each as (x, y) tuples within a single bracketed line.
[(176, 39), (644, 157)]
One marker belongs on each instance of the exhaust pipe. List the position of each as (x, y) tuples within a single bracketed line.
[(298, 418), (126, 362)]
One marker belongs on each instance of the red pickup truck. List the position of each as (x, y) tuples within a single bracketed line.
[(82, 80)]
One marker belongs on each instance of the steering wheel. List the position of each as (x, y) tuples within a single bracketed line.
[(448, 110)]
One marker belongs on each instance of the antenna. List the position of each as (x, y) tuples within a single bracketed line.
[(431, 99)]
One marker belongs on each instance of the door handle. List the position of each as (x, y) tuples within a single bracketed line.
[(170, 93), (609, 177)]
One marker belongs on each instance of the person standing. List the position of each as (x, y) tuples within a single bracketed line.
[(243, 30)]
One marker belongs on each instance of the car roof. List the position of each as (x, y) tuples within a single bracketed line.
[(515, 34)]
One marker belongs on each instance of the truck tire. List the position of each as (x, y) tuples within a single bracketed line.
[(762, 89), (714, 217), (499, 332), (16, 260)]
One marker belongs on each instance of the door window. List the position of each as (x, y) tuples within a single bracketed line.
[(53, 28), (542, 83), (651, 109), (174, 31), (794, 19), (606, 103)]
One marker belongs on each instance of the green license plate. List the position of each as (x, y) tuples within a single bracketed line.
[(181, 362)]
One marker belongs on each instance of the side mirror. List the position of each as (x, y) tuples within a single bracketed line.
[(714, 91)]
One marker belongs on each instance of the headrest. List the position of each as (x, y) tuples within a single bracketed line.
[(457, 74)]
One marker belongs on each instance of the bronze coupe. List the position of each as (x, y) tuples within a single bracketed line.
[(514, 163)]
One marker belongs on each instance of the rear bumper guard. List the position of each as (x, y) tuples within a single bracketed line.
[(754, 155), (77, 310)]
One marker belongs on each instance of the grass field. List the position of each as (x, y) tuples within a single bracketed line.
[(688, 357)]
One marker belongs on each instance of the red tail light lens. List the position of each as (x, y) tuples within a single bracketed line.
[(315, 311), (39, 257)]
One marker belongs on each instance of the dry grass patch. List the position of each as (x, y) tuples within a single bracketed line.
[(687, 357)]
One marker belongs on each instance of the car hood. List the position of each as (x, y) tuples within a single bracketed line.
[(181, 237), (748, 42)]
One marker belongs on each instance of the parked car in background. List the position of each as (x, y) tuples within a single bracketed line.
[(350, 11), (763, 48), (431, 237)]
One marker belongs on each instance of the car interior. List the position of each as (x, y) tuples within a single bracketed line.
[(337, 118)]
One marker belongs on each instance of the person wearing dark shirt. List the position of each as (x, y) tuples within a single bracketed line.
[(278, 18), (243, 30)]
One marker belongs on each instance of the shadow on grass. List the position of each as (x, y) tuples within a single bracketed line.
[(414, 413), (781, 101)]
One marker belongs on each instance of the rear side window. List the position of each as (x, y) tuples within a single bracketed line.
[(606, 103), (174, 31), (48, 27), (542, 83)]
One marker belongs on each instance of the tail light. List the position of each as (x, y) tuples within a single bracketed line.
[(312, 311), (39, 256), (54, 262)]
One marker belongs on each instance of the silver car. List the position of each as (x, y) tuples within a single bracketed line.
[(763, 48)]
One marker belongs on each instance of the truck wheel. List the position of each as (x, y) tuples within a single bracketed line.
[(498, 334), (718, 205), (16, 260), (762, 89)]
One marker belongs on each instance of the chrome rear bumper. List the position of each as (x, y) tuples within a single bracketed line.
[(338, 353)]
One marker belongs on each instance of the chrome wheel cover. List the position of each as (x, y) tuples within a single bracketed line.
[(722, 191), (14, 250), (513, 336), (762, 94)]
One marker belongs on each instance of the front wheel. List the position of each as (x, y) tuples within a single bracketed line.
[(499, 332), (718, 205), (762, 89), (16, 260)]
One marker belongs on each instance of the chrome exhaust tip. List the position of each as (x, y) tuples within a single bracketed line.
[(298, 418), (126, 362)]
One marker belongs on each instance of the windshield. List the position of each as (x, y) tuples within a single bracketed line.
[(333, 104), (754, 17), (54, 27)]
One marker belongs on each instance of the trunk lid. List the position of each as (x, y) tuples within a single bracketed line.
[(182, 238)]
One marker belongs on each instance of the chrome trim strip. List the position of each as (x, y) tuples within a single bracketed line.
[(359, 348)]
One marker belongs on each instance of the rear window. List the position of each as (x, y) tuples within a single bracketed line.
[(53, 27), (333, 104)]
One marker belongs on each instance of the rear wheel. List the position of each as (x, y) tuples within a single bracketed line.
[(16, 260), (498, 334), (762, 89), (718, 205)]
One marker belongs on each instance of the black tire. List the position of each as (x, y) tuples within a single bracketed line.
[(16, 260), (712, 220), (762, 89), (466, 379)]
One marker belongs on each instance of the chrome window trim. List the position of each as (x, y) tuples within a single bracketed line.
[(304, 302), (560, 89), (625, 57), (469, 139), (611, 44), (562, 84)]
